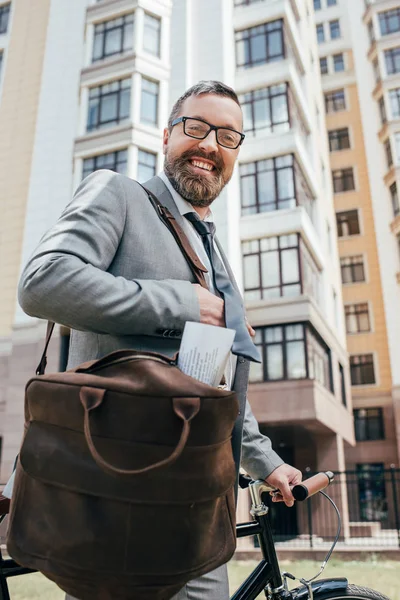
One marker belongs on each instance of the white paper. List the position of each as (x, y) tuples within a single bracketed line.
[(204, 351)]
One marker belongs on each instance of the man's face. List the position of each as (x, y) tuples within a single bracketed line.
[(198, 185)]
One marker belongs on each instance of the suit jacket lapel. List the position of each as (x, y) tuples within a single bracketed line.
[(159, 189)]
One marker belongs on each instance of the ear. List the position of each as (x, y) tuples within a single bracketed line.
[(165, 140)]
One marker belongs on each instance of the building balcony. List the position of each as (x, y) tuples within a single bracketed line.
[(105, 9), (305, 403), (264, 12)]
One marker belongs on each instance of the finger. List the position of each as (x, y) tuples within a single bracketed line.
[(250, 329), (286, 493)]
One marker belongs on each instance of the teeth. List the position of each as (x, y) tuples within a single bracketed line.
[(202, 165)]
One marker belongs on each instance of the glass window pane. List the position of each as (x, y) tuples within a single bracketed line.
[(275, 368), (109, 108), (258, 49), (290, 266), (279, 109), (270, 269), (125, 101), (296, 360), (262, 118), (98, 46), (113, 42), (128, 36), (285, 183), (256, 372), (266, 188), (151, 35), (251, 272), (275, 45)]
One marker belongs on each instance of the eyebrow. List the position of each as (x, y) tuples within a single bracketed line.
[(203, 119)]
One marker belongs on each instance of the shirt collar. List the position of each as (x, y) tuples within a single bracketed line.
[(183, 205)]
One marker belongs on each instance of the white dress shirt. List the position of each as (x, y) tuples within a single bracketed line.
[(197, 244)]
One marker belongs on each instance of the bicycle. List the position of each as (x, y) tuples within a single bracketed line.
[(266, 577)]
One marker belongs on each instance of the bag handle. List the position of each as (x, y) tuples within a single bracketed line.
[(195, 263), (184, 408)]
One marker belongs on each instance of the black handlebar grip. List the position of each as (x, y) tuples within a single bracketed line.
[(311, 486)]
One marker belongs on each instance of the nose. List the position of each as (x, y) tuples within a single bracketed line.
[(209, 144)]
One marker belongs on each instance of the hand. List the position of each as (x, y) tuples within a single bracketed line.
[(211, 307), (283, 477)]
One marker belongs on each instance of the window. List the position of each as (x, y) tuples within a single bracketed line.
[(342, 385), (335, 101), (389, 21), (394, 96), (368, 424), (261, 44), (377, 72), (339, 139), (320, 33), (152, 34), (291, 352), (271, 267), (116, 161), (382, 110), (317, 4), (371, 32), (113, 37), (372, 492), (352, 269), (395, 199), (388, 152), (334, 28), (4, 17), (343, 180), (357, 318), (323, 65), (147, 162), (397, 146), (273, 184), (338, 62), (109, 104), (1, 63), (266, 109), (362, 369), (347, 223), (149, 102), (278, 266), (331, 2), (392, 60)]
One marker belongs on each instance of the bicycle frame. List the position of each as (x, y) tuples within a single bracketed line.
[(266, 576)]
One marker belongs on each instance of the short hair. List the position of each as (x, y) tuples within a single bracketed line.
[(202, 87)]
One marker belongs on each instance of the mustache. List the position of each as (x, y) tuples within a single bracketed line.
[(212, 156)]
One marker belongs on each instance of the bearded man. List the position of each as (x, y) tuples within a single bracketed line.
[(111, 271)]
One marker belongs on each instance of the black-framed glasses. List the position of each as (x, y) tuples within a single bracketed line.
[(199, 129)]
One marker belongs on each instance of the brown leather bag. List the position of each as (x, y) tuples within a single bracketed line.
[(125, 480)]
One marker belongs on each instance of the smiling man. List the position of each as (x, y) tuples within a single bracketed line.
[(112, 272)]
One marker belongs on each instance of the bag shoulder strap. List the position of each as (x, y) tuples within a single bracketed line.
[(193, 260), (195, 263)]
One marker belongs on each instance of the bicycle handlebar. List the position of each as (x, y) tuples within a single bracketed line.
[(303, 490)]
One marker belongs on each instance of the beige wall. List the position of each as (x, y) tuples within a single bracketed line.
[(376, 341), (18, 112), (365, 244)]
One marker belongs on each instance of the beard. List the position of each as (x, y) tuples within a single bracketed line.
[(199, 190)]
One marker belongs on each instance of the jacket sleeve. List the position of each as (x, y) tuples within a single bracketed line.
[(258, 457), (66, 279)]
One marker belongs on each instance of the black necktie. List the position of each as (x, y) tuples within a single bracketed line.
[(234, 315)]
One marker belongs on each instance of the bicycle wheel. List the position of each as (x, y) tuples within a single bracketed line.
[(352, 591)]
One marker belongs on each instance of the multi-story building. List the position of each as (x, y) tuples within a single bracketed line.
[(359, 53), (90, 86)]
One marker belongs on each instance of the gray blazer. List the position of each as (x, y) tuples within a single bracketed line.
[(111, 271)]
